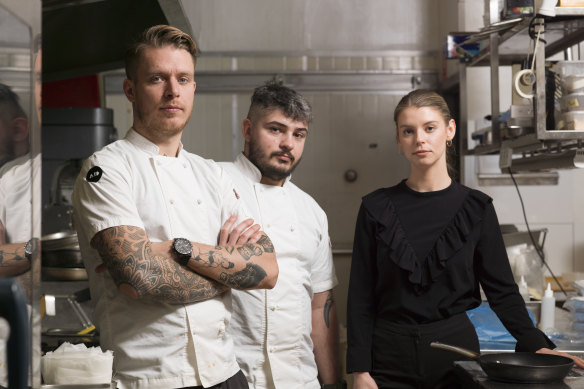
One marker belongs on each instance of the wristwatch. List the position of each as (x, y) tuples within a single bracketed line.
[(183, 249), (30, 247)]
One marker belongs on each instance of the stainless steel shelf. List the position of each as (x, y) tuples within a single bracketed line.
[(484, 149), (556, 35), (482, 58)]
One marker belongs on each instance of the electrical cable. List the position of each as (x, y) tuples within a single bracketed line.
[(531, 30), (535, 51), (538, 249)]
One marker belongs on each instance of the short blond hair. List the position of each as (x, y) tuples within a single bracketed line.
[(158, 36)]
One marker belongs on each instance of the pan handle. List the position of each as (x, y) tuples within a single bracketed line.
[(462, 351)]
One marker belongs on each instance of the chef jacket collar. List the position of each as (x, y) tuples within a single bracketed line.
[(250, 170), (144, 144)]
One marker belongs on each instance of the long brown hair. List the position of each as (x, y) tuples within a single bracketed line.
[(426, 98)]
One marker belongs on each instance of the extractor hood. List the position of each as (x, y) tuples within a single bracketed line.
[(82, 37)]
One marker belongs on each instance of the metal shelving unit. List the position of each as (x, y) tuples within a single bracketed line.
[(542, 148)]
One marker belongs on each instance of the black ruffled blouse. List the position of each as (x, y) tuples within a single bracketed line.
[(418, 257)]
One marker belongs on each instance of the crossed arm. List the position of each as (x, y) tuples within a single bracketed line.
[(144, 269), (12, 260)]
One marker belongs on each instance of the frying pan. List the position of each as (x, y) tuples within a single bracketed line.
[(519, 367)]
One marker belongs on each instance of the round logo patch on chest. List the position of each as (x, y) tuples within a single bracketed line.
[(94, 174)]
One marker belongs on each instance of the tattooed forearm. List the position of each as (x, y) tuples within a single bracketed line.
[(214, 258), (12, 260), (249, 250), (247, 278), (327, 308), (266, 244), (241, 266), (127, 253)]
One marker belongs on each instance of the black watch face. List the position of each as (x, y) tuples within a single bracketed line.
[(183, 247)]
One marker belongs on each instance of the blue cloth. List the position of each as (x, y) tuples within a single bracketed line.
[(490, 331)]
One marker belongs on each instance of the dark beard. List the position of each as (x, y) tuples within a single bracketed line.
[(261, 161)]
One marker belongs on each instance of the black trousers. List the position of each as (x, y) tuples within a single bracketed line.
[(238, 381), (403, 358)]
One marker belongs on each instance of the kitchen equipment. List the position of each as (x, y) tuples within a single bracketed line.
[(484, 136), (519, 367), (73, 300), (470, 376), (69, 135), (13, 308), (524, 82), (61, 257)]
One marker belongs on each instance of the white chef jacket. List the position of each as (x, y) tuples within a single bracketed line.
[(20, 181), (271, 328), (157, 345), (20, 189)]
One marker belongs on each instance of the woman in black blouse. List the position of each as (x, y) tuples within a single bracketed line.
[(421, 249)]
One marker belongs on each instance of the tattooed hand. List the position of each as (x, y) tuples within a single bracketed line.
[(244, 232)]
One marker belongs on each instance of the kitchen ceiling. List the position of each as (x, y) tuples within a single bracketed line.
[(82, 37)]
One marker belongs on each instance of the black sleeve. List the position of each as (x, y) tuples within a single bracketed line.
[(361, 304), (496, 278)]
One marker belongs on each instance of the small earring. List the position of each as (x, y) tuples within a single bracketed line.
[(449, 143)]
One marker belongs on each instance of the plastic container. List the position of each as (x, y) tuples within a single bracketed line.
[(548, 307), (572, 102), (571, 76), (573, 84), (572, 120), (526, 265), (570, 68), (523, 290)]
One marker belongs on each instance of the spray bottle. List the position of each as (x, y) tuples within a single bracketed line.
[(548, 306)]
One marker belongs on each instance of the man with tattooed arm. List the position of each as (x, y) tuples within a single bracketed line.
[(15, 185), (164, 223), (286, 337)]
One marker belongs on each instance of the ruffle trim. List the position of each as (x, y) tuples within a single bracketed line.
[(450, 241)]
